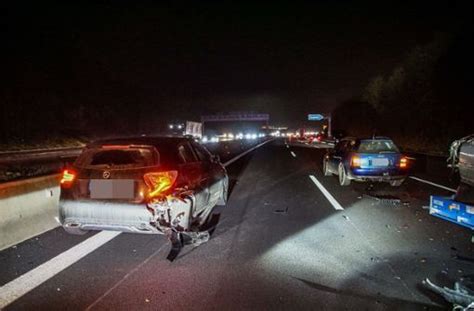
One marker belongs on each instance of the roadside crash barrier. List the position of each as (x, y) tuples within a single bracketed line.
[(28, 208)]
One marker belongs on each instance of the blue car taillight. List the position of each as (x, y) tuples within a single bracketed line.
[(355, 161)]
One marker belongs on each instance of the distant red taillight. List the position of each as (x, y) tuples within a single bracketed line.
[(403, 162), (159, 182), (68, 178)]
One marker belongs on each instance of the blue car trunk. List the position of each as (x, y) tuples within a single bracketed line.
[(374, 164)]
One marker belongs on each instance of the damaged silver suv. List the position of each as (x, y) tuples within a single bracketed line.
[(157, 185)]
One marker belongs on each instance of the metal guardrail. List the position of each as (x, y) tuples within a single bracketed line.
[(39, 154)]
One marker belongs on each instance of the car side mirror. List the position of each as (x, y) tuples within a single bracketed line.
[(215, 158)]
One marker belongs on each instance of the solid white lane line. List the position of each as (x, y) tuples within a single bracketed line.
[(32, 279), (245, 152), (432, 184), (293, 154), (326, 193)]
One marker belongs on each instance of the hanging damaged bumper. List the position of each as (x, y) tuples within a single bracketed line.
[(151, 218)]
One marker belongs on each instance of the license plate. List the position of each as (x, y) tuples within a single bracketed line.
[(112, 189), (380, 162)]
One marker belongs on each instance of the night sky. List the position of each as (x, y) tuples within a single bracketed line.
[(185, 61)]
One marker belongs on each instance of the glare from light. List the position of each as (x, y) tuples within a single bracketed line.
[(230, 136), (204, 139), (180, 126), (253, 136), (171, 126)]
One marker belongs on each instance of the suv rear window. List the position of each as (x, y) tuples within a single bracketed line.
[(118, 157), (376, 146)]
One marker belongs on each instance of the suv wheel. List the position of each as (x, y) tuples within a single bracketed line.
[(326, 171), (343, 179), (224, 195)]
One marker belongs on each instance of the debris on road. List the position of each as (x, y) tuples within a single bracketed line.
[(179, 239), (281, 211), (463, 258), (345, 217), (385, 199), (459, 296)]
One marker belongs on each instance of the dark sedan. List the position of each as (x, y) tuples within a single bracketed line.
[(374, 159), (163, 185)]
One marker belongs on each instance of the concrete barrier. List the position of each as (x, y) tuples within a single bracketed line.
[(28, 208)]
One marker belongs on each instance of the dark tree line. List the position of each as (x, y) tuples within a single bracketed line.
[(424, 103)]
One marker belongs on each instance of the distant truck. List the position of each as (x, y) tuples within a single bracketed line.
[(186, 128), (193, 129)]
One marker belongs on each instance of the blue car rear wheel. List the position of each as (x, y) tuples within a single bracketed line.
[(343, 178)]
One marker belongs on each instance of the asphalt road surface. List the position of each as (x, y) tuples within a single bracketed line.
[(280, 244)]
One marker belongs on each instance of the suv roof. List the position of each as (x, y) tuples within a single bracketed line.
[(139, 140), (366, 138)]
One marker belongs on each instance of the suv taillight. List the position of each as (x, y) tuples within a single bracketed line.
[(159, 182), (67, 178)]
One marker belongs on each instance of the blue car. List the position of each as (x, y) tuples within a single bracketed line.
[(372, 159)]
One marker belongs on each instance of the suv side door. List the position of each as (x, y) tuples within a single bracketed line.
[(194, 177), (213, 170)]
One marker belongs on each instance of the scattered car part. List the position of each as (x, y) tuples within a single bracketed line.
[(460, 295)]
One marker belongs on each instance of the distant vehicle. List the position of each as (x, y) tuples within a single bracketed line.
[(461, 159), (458, 208), (162, 185), (317, 138), (186, 128), (193, 129), (374, 159)]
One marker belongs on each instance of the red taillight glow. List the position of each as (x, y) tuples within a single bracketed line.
[(403, 162), (355, 162), (160, 182), (68, 178)]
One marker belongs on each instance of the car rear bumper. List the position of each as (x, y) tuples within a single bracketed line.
[(377, 178), (382, 175), (97, 215)]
